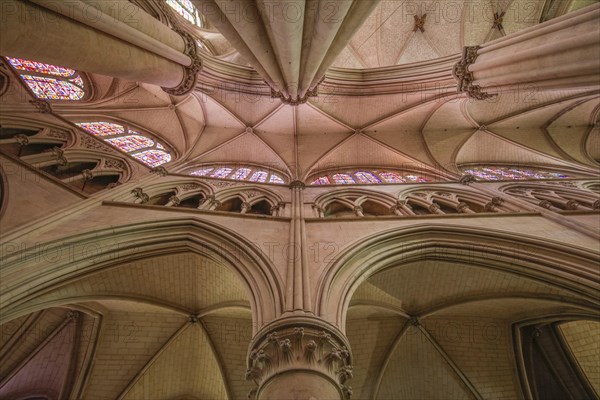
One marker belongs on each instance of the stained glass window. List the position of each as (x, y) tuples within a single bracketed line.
[(102, 128), (221, 172), (275, 179), (134, 143), (241, 174), (130, 142), (245, 173), (366, 177), (512, 173), (153, 158), (49, 82), (34, 66), (202, 172), (322, 180), (343, 179), (391, 177), (186, 9), (259, 176)]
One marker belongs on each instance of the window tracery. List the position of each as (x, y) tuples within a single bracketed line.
[(493, 173), (139, 146), (187, 10), (367, 177), (49, 82), (246, 173)]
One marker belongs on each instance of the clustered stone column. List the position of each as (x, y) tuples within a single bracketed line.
[(557, 54), (300, 358)]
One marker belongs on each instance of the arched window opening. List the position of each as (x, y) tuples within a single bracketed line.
[(186, 9), (364, 177), (160, 199), (232, 205), (96, 183), (246, 173), (493, 173), (192, 202), (549, 352), (69, 170), (261, 208), (557, 199), (373, 209), (139, 146), (49, 82), (338, 210), (20, 142)]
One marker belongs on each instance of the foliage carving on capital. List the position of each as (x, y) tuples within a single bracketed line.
[(293, 347), (190, 72), (465, 78), (297, 185)]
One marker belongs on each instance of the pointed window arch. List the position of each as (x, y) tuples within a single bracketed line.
[(247, 173), (501, 173), (139, 146), (366, 177), (49, 82), (187, 10)]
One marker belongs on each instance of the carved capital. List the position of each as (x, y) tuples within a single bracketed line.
[(545, 204), (160, 170), (87, 175), (23, 140), (190, 72), (300, 344), (434, 208), (572, 205), (465, 78), (462, 207), (138, 193), (42, 106), (297, 185), (467, 178), (314, 92), (174, 200), (59, 154)]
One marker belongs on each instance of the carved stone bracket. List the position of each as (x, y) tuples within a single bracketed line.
[(300, 345), (465, 78)]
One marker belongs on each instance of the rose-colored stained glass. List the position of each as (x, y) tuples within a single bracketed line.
[(343, 179), (259, 176), (275, 179), (102, 128), (53, 89), (42, 68), (130, 142), (366, 177), (221, 172), (240, 174), (202, 172), (416, 178), (505, 173), (153, 158), (322, 180), (391, 177)]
